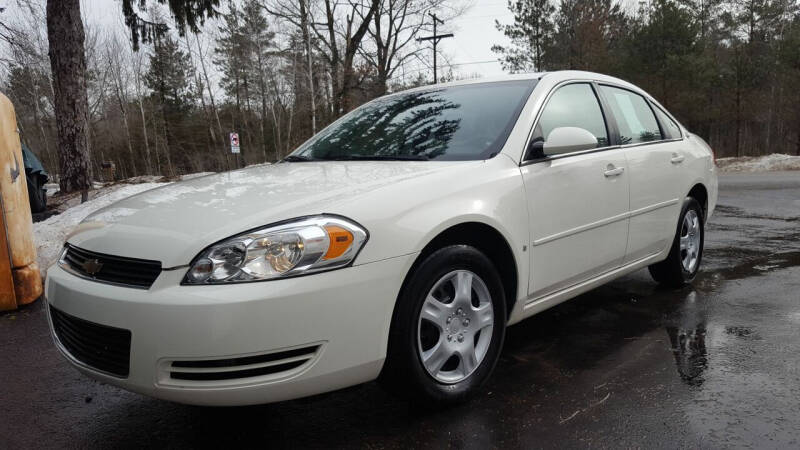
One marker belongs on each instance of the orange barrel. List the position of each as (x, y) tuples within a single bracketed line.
[(17, 221)]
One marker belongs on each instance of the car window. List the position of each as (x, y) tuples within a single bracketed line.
[(573, 105), (466, 122), (670, 128), (635, 119)]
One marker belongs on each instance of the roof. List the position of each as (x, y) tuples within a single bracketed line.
[(560, 75)]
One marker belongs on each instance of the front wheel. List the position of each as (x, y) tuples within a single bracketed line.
[(686, 253), (448, 327)]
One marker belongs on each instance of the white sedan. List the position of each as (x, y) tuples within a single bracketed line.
[(397, 244)]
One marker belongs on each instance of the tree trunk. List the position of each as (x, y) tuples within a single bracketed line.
[(139, 97), (122, 101), (277, 135), (128, 140), (738, 117), (37, 114), (213, 103), (307, 42), (148, 164), (333, 59), (68, 64)]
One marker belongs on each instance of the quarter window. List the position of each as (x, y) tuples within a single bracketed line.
[(635, 119), (671, 129), (573, 105)]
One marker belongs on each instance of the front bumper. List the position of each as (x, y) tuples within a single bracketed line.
[(345, 314)]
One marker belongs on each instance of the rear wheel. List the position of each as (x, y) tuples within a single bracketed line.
[(686, 253), (448, 327)]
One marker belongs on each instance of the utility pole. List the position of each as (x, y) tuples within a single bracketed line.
[(435, 38)]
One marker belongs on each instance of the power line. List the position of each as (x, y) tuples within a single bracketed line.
[(468, 63), (493, 16), (435, 38)]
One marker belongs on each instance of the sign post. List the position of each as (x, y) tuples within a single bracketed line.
[(235, 149)]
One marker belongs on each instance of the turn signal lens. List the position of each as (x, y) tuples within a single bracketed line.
[(340, 241), (201, 270), (292, 248)]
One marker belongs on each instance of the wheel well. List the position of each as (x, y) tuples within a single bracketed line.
[(699, 193), (489, 241)]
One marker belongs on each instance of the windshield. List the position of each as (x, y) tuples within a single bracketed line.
[(466, 122)]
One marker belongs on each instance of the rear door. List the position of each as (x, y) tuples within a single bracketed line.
[(577, 202), (654, 154)]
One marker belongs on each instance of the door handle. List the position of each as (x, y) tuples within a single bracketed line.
[(676, 158), (613, 172)]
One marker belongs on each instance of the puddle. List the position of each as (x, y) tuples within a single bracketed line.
[(742, 332), (733, 211), (747, 265), (689, 350)]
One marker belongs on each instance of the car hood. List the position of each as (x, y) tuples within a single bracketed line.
[(172, 224)]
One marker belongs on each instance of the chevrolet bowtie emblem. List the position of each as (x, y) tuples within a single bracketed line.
[(92, 266)]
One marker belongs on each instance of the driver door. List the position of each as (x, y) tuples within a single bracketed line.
[(578, 201)]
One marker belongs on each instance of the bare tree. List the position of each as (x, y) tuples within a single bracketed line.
[(395, 26), (137, 65), (304, 26), (214, 110), (339, 41), (120, 81)]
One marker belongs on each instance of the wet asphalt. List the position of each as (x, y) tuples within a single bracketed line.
[(715, 364)]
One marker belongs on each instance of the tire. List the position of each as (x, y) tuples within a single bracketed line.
[(414, 339), (682, 264)]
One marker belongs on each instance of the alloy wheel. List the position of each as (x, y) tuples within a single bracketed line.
[(690, 240), (455, 326)]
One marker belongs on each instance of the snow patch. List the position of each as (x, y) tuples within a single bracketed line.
[(51, 188), (195, 175), (767, 163), (235, 191), (49, 235)]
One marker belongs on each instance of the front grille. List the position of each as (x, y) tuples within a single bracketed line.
[(101, 347), (242, 367), (132, 272)]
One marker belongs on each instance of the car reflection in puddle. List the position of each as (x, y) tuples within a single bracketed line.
[(688, 341)]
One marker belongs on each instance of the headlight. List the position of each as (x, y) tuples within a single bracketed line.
[(292, 248)]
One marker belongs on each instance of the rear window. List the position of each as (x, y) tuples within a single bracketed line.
[(635, 119)]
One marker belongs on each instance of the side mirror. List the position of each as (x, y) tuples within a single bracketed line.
[(567, 140)]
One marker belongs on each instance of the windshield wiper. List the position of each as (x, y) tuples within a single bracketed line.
[(297, 158), (380, 158)]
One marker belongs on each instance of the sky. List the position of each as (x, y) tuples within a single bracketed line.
[(469, 51), (467, 54), (475, 33)]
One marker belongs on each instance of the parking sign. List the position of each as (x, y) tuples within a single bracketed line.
[(234, 142)]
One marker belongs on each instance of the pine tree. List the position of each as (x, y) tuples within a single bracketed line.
[(259, 46), (531, 35), (243, 51), (169, 80), (664, 46), (588, 36)]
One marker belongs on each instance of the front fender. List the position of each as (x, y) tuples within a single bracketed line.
[(488, 192)]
